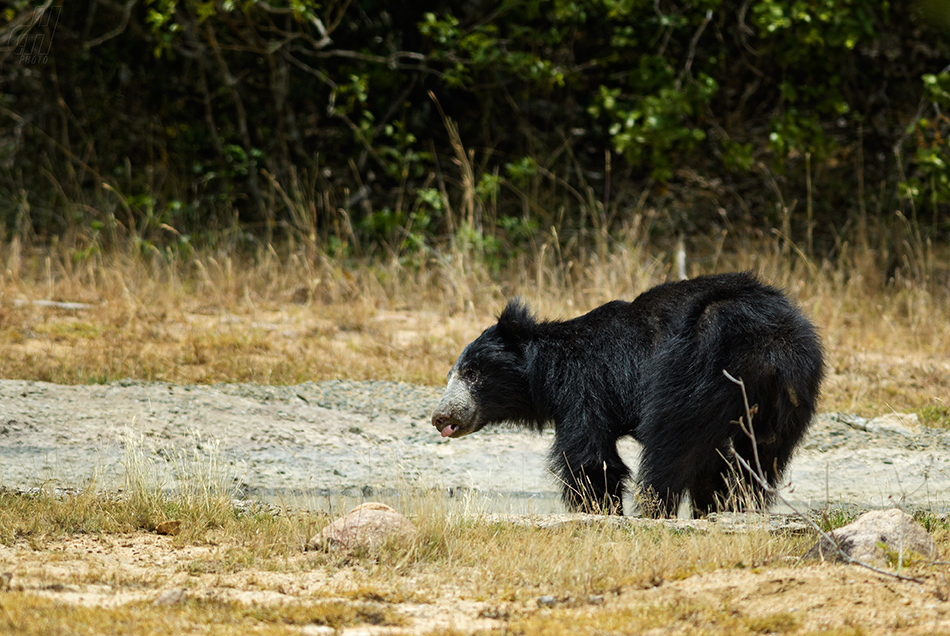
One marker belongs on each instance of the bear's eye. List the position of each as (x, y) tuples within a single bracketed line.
[(469, 375)]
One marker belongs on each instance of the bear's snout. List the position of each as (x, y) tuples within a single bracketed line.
[(455, 415), (441, 422)]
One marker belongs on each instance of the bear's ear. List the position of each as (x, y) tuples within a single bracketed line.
[(516, 321)]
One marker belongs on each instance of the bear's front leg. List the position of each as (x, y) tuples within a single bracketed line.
[(592, 478)]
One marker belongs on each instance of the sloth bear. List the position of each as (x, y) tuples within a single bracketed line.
[(654, 369)]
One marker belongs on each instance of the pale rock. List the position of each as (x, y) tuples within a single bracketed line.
[(875, 534), (368, 526), (170, 597)]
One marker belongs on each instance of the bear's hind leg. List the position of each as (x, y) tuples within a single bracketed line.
[(768, 459), (720, 485), (776, 433), (728, 484), (662, 483)]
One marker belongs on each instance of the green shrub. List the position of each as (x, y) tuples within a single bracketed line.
[(196, 114)]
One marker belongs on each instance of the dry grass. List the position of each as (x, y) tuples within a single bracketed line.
[(465, 574), (36, 615), (294, 314), (87, 563)]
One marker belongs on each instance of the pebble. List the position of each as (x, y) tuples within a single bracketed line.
[(547, 601)]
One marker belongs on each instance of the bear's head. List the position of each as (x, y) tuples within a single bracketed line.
[(489, 382)]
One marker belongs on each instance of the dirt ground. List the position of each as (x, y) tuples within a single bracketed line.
[(820, 598), (322, 445), (311, 444)]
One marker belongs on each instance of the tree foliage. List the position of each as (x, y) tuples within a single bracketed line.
[(382, 116)]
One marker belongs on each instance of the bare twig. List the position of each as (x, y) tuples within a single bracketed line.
[(391, 60), (692, 48), (13, 30), (126, 13)]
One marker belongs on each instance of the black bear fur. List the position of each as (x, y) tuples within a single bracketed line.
[(652, 369)]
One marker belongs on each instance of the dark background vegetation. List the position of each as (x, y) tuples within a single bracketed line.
[(368, 125)]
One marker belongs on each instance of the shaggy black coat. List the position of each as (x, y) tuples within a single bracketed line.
[(654, 369)]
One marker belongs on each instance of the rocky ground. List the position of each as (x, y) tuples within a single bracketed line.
[(328, 445), (310, 443)]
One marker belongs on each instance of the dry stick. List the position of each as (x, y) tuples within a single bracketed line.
[(757, 475), (692, 48), (126, 13)]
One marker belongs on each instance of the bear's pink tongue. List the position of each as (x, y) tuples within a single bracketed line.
[(448, 430)]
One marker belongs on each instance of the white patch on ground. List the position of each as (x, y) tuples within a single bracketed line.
[(276, 443)]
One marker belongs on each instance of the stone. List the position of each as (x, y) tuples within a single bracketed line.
[(876, 535), (170, 597), (368, 526), (169, 528), (547, 601), (906, 424)]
